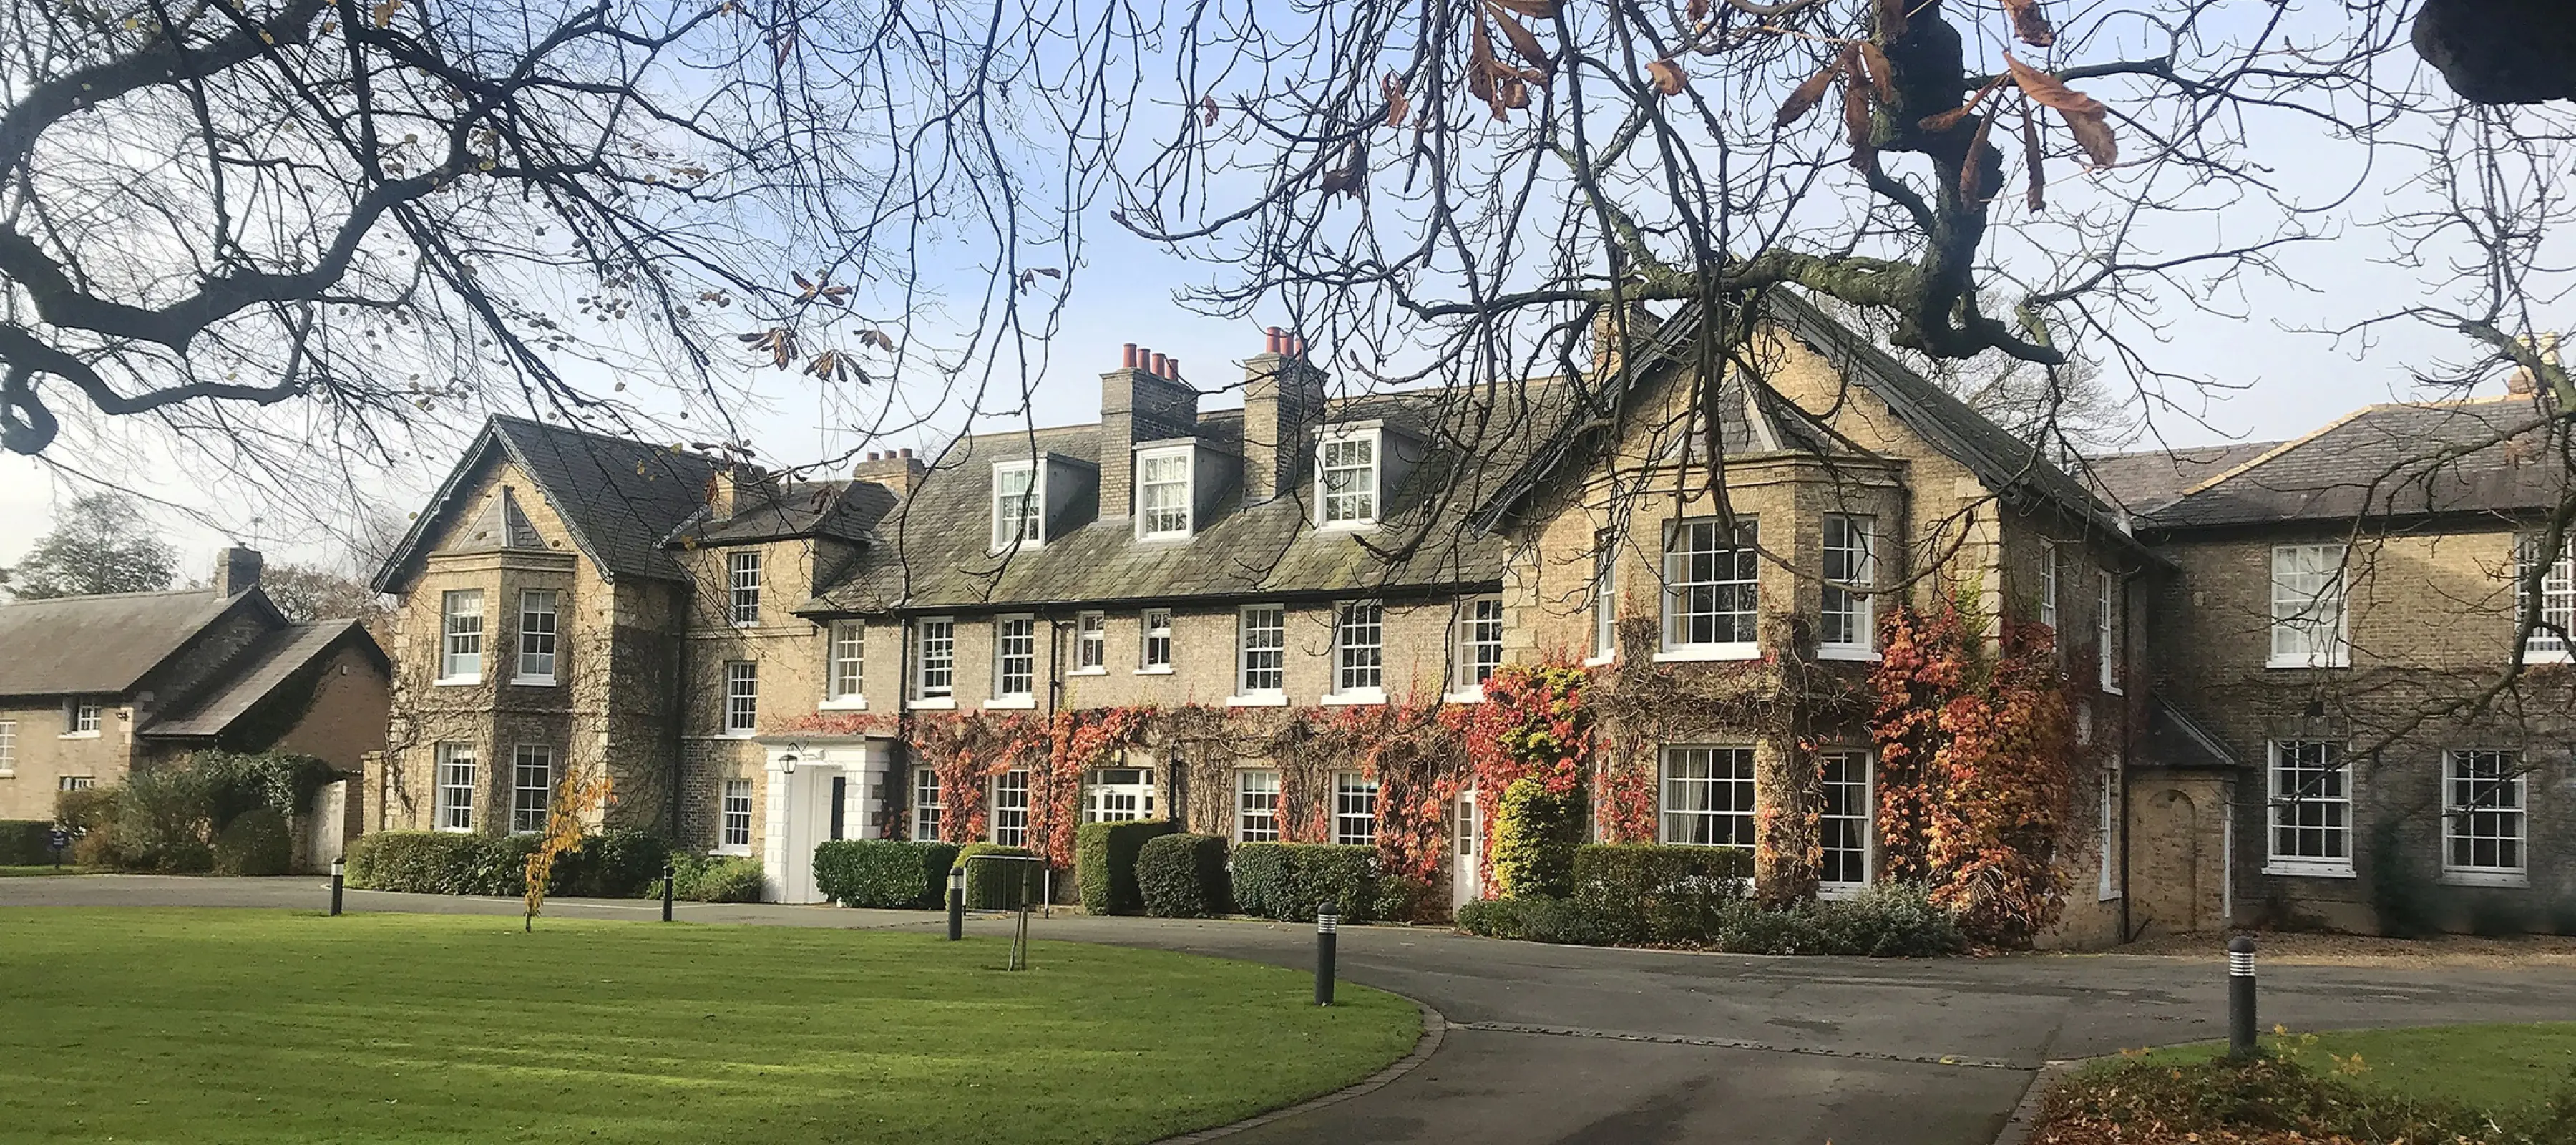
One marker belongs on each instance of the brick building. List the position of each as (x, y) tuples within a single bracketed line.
[(94, 688)]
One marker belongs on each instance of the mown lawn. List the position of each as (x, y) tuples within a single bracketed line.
[(48, 869), (2486, 1066), (226, 1025)]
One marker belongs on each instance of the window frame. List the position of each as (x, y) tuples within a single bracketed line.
[(451, 633), (1827, 816), (2516, 782), (1148, 632), (1736, 821), (1370, 499), (83, 718), (1004, 695), (531, 656), (1605, 597), (453, 801), (1245, 793), (1097, 791), (2557, 601), (1355, 801), (741, 704), (1090, 644), (928, 814), (8, 747), (2107, 830), (1354, 660), (924, 693), (524, 756), (2329, 763), (1475, 645), (1860, 609), (1187, 455), (2309, 629), (1745, 554), (1002, 782), (1031, 519), (845, 664), (743, 573), (2106, 630), (1244, 689), (728, 816)]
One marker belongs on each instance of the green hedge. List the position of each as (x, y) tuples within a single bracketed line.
[(612, 864), (1535, 836), (889, 874), (716, 878), (989, 885), (254, 843), (1104, 863), (1182, 876), (1886, 922), (1288, 881), (1660, 893), (22, 842)]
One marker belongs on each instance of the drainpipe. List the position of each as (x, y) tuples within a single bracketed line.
[(901, 776), (2128, 734)]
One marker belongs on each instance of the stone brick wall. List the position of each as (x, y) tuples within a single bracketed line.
[(43, 754)]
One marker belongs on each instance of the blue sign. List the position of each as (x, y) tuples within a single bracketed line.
[(58, 838)]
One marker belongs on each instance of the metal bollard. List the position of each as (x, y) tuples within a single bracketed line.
[(670, 871), (956, 903), (339, 867), (1328, 920), (2240, 997)]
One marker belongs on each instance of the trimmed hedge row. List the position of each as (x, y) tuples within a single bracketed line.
[(1104, 862), (1289, 881), (1183, 876), (22, 843), (716, 878), (989, 886), (611, 864), (888, 874), (1660, 893), (1886, 922)]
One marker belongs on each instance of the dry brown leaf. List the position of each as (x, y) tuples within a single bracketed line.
[(1808, 95), (1480, 67), (1855, 100), (1207, 111), (2030, 23), (1668, 75), (2030, 157), (1949, 119), (1882, 75), (1397, 107), (1972, 174), (1534, 9), (1698, 10), (1522, 39), (2085, 115)]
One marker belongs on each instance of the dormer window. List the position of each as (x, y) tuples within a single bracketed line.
[(1018, 499), (1346, 477), (1163, 493)]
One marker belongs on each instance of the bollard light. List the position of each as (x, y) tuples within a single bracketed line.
[(670, 873), (2240, 997), (339, 869), (956, 903), (1328, 922)]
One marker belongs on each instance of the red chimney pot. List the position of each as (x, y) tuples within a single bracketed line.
[(1128, 360), (907, 451), (1159, 364), (1175, 364), (1273, 343)]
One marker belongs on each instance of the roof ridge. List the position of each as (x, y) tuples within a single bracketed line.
[(2276, 451), (2175, 451), (208, 591)]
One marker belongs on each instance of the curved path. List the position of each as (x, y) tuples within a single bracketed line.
[(1554, 1044)]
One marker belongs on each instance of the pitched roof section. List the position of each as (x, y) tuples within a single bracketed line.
[(848, 510), (2397, 460), (936, 553), (618, 498), (2145, 479), (255, 674), (99, 645)]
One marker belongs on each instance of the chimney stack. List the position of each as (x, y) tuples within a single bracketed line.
[(894, 468), (1143, 400), (1283, 402), (236, 571), (727, 486)]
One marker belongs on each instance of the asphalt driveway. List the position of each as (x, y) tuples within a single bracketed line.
[(1571, 1044)]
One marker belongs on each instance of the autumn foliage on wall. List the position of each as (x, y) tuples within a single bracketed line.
[(1976, 773)]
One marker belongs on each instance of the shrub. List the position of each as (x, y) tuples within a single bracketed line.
[(423, 862), (1660, 893), (1288, 881), (1401, 898), (1182, 876), (161, 823), (238, 782), (716, 878), (1535, 835), (1897, 921), (1104, 862), (889, 874), (990, 885), (1890, 920), (2279, 1098), (613, 864), (254, 843), (1538, 918), (88, 809), (22, 842), (2403, 896)]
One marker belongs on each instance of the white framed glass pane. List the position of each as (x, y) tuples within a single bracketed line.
[(2557, 612), (1712, 588), (1262, 647), (1359, 653), (1163, 494), (737, 814), (2308, 605), (937, 657), (1016, 503), (1011, 808), (1091, 641), (849, 658), (1708, 796), (455, 765), (742, 695), (1354, 809), (742, 578), (2311, 802), (1843, 825), (1850, 566), (2484, 813), (1605, 593), (532, 784), (462, 651), (1349, 478), (1156, 624), (537, 633), (1256, 807), (1479, 651), (926, 805), (1015, 656)]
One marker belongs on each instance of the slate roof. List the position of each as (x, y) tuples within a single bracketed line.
[(2145, 479), (936, 554), (2397, 460), (82, 645), (848, 510), (619, 498), (2176, 740), (251, 676)]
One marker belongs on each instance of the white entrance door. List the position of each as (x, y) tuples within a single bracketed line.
[(1464, 885), (805, 822)]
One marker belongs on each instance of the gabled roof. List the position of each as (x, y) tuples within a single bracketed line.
[(936, 552), (847, 510), (106, 644), (2487, 455), (258, 672), (2177, 740), (618, 498), (2145, 479)]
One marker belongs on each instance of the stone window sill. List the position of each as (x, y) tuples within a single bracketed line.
[(455, 681), (2486, 878), (1088, 672), (532, 681), (2309, 870), (1698, 652), (1156, 670), (1354, 699), (843, 704), (933, 704), (78, 735), (1013, 703), (1260, 700), (1847, 652)]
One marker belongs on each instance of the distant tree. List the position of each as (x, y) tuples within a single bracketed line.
[(311, 592), (100, 543)]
